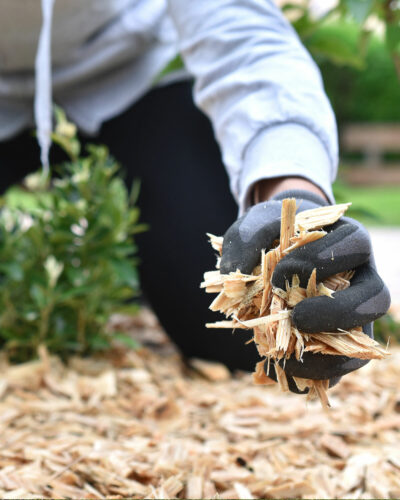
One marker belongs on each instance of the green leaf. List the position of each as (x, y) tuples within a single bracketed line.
[(393, 37), (328, 42), (7, 334), (140, 228), (39, 295), (359, 9), (126, 273), (364, 41), (98, 343), (65, 134), (305, 26), (135, 191), (79, 291), (13, 269), (175, 64), (125, 339)]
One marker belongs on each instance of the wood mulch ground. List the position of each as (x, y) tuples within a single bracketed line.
[(142, 424)]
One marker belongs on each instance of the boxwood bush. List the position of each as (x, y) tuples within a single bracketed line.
[(66, 254)]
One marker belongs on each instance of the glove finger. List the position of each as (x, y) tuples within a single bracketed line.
[(245, 239), (290, 373), (346, 247), (323, 366), (364, 301)]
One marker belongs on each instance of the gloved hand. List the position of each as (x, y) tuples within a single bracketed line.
[(346, 246)]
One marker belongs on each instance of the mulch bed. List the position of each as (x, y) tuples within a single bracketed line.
[(142, 424)]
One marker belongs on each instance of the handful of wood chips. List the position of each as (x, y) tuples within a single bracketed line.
[(251, 302)]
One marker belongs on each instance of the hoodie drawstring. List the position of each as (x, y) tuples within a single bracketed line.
[(43, 94)]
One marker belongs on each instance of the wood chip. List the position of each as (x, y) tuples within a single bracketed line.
[(216, 242), (224, 439), (317, 218), (335, 446), (194, 487), (303, 239), (242, 491), (281, 376), (291, 489), (259, 375), (287, 222), (312, 290), (216, 372)]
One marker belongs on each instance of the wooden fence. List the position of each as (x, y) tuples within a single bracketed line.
[(373, 141)]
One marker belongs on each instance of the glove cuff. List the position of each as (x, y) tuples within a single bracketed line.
[(303, 195)]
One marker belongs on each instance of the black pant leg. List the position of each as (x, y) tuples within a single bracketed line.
[(168, 143), (19, 156)]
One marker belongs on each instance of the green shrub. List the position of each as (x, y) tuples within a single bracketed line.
[(361, 69), (66, 252), (364, 93)]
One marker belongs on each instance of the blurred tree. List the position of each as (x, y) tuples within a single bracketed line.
[(350, 88), (369, 16), (356, 44)]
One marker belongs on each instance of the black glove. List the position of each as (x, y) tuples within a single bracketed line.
[(347, 246)]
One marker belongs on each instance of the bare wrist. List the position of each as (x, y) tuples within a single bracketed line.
[(267, 188)]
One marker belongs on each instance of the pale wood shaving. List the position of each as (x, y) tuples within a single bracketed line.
[(303, 238), (317, 218), (324, 290), (353, 344), (340, 281), (281, 376), (295, 296), (259, 375), (320, 387), (265, 320), (283, 336), (287, 223), (312, 290), (235, 289), (223, 324), (216, 242)]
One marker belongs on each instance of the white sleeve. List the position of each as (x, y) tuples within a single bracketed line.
[(261, 89)]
